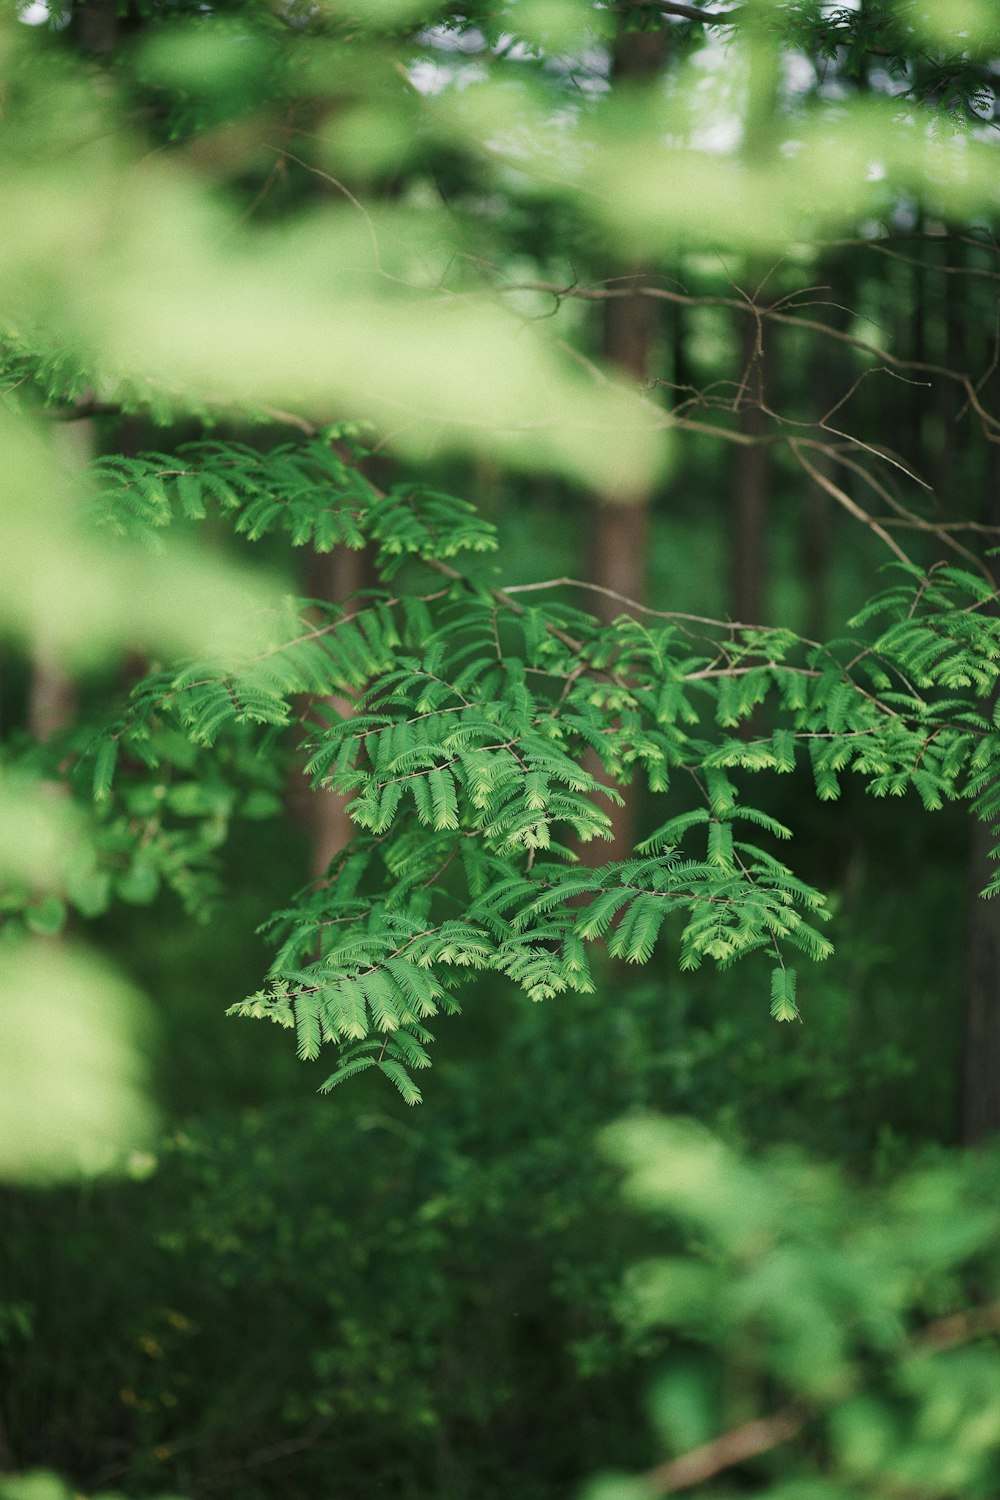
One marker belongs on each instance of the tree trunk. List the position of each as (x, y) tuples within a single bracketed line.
[(619, 537), (753, 468), (51, 695), (951, 396), (829, 373), (917, 276), (980, 1072), (751, 483), (334, 576), (95, 26), (979, 1103), (51, 690)]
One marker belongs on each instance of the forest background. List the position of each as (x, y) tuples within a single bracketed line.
[(583, 373)]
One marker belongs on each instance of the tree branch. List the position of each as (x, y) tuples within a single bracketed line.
[(764, 1433), (732, 1448), (692, 13), (687, 12), (630, 604), (842, 498)]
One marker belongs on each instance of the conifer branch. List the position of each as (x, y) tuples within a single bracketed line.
[(472, 710)]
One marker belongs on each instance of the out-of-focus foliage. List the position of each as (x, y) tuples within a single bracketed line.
[(252, 228), (275, 1253), (464, 756), (433, 1300), (205, 298), (42, 1485), (73, 1083), (78, 598), (820, 1337)]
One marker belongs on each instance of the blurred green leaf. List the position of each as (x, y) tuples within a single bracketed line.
[(72, 1072)]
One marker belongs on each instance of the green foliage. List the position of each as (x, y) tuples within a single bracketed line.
[(410, 1306), (288, 217), (39, 1484), (153, 819), (819, 1335), (464, 757), (415, 1297), (492, 733), (307, 491), (349, 1266)]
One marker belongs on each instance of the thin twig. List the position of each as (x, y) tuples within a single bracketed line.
[(659, 614), (733, 1447), (851, 506), (685, 12), (765, 1433)]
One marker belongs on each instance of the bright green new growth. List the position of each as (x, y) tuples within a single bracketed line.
[(492, 728)]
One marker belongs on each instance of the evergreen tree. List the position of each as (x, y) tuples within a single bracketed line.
[(495, 724)]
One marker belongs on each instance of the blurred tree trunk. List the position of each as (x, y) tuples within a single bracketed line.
[(620, 530), (332, 576), (980, 1070), (619, 537), (951, 397), (918, 338), (51, 694), (51, 690), (829, 373), (95, 25), (814, 554), (753, 459), (979, 1105), (620, 533), (752, 476)]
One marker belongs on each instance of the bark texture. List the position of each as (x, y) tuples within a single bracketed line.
[(980, 1077), (619, 538), (751, 483), (979, 1103), (334, 576), (52, 693)]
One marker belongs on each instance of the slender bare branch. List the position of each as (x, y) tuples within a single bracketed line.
[(658, 614), (686, 12), (692, 13), (733, 1447), (843, 499), (766, 1433)]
